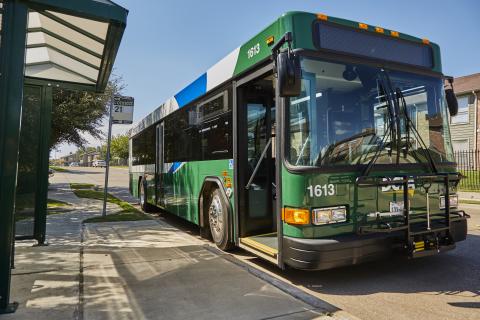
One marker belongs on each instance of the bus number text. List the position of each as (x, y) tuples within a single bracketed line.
[(321, 190), (253, 51)]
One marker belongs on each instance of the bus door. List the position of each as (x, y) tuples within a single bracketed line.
[(159, 168), (256, 165)]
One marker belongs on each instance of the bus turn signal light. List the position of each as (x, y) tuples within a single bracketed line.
[(322, 16), (363, 26), (296, 216), (394, 34), (270, 40)]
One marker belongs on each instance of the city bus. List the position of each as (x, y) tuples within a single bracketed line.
[(319, 143)]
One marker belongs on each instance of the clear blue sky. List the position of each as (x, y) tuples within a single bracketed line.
[(169, 43)]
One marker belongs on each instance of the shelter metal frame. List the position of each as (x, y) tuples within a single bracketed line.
[(45, 49)]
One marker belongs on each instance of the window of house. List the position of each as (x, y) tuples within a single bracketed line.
[(462, 116)]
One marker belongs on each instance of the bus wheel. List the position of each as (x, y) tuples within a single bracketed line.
[(218, 221), (146, 207)]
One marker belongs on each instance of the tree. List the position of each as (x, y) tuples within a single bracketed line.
[(119, 146), (76, 112)]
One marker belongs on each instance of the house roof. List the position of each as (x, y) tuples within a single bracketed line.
[(467, 83)]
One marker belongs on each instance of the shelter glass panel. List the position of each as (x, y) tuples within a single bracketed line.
[(28, 159)]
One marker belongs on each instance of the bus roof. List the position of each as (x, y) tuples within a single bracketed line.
[(257, 50)]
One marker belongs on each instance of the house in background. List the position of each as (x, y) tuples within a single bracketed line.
[(68, 159), (88, 157), (464, 126)]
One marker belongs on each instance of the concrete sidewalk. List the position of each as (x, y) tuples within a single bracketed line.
[(140, 270), (464, 195)]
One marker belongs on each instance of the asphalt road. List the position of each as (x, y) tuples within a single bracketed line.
[(446, 286), (117, 182)]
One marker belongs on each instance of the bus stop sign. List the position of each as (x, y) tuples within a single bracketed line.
[(122, 112)]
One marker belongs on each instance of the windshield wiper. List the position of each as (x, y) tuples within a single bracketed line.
[(410, 125), (300, 156), (396, 117), (393, 128)]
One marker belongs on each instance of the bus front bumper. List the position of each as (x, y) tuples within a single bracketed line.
[(321, 254)]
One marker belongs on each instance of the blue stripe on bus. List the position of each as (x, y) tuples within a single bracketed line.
[(175, 167), (192, 91)]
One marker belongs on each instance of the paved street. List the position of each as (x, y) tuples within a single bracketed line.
[(446, 286), (117, 182)]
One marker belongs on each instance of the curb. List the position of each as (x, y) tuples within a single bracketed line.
[(317, 303), (468, 201)]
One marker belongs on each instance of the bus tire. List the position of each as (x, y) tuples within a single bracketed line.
[(146, 207), (219, 221)]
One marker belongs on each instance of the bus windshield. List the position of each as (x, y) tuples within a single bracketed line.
[(344, 117)]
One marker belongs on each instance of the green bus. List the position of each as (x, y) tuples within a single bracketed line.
[(319, 143)]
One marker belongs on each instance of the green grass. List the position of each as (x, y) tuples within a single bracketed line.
[(27, 215), (54, 204), (78, 186), (59, 169), (470, 182), (128, 213), (53, 207)]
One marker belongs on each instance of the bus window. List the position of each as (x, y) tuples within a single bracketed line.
[(199, 132), (216, 141), (215, 128), (143, 147)]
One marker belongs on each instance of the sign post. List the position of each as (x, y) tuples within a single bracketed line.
[(121, 112)]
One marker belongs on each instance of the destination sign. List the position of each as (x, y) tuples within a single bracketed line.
[(122, 112)]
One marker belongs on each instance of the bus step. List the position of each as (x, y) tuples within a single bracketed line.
[(266, 243)]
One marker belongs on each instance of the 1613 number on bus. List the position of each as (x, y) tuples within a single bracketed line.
[(321, 190)]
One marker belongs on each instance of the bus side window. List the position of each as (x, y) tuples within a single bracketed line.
[(199, 132), (215, 128), (215, 136), (142, 150)]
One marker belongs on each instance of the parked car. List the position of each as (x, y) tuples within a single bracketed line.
[(74, 164), (99, 163)]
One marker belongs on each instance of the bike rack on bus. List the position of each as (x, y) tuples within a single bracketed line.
[(404, 225)]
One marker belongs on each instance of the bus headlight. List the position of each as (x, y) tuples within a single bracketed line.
[(329, 215), (453, 201)]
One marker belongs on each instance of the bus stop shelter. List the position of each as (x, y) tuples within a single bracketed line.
[(44, 44)]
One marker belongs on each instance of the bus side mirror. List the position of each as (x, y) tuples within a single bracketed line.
[(289, 74), (452, 102), (450, 96)]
